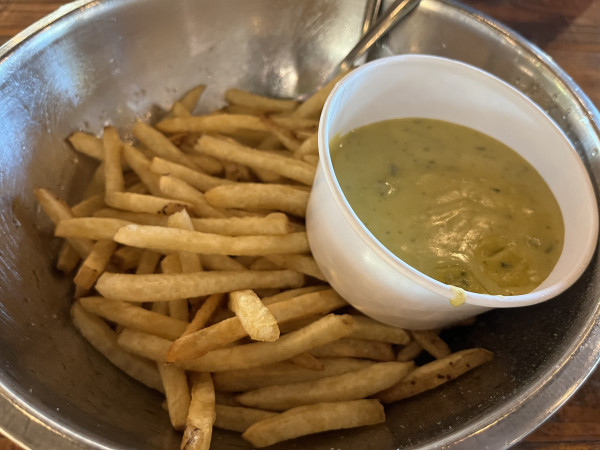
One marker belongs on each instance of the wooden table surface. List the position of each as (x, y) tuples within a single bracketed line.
[(569, 31)]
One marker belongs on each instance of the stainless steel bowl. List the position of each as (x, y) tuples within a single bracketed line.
[(99, 62)]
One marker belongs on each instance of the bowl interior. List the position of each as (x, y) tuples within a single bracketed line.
[(113, 62), (445, 89)]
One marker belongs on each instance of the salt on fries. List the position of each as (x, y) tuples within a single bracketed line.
[(193, 275)]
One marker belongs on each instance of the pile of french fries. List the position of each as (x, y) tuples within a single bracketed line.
[(193, 274)]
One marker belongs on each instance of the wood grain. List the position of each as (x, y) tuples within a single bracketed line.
[(569, 31)]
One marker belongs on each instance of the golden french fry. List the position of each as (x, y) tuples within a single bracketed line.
[(232, 329), (307, 361), (126, 258), (201, 416), (311, 107), (356, 348), (148, 262), (140, 218), (177, 392), (145, 203), (207, 164), (284, 372), (88, 206), (409, 352), (58, 210), (367, 328), (96, 184), (274, 223), (179, 110), (347, 386), (326, 329), (94, 264), (93, 228), (190, 99), (309, 146), (190, 262), (431, 343), (168, 287), (87, 144), (159, 144), (199, 180), (258, 102), (178, 309), (316, 418), (221, 262), (296, 124), (256, 319), (259, 197), (141, 166), (288, 167), (177, 240), (436, 373), (104, 339), (173, 187), (291, 293), (300, 263), (238, 418), (285, 136), (113, 171), (204, 313), (134, 317), (214, 123), (146, 345), (68, 258)]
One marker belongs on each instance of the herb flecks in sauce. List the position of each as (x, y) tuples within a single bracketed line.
[(452, 202)]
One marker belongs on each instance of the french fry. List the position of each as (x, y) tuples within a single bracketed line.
[(291, 293), (238, 418), (145, 345), (87, 144), (312, 106), (68, 258), (436, 373), (177, 240), (255, 318), (113, 171), (409, 352), (274, 223), (190, 99), (204, 313), (91, 228), (199, 180), (148, 262), (167, 287), (177, 392), (104, 339), (214, 123), (258, 102), (232, 329), (307, 361), (284, 372), (367, 328), (126, 258), (145, 203), (96, 184), (141, 166), (221, 262), (190, 262), (208, 164), (295, 123), (309, 146), (291, 168), (326, 329), (284, 135), (347, 386), (300, 263), (431, 343), (94, 264), (178, 309), (259, 197), (88, 206), (173, 187), (134, 317), (316, 418), (159, 144), (140, 218), (356, 348), (179, 110), (201, 416)]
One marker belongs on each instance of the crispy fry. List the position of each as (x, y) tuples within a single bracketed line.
[(88, 206), (92, 228), (159, 144), (232, 329), (170, 239), (199, 180), (347, 386), (190, 99), (238, 418), (258, 102), (140, 218), (134, 317), (126, 258), (285, 136), (291, 293), (274, 223), (167, 287), (356, 348), (288, 167), (94, 264), (311, 107), (300, 263), (259, 197), (143, 344), (141, 166), (431, 343), (204, 313), (177, 392), (113, 171), (173, 187), (367, 328), (307, 361), (145, 203), (326, 329), (198, 430), (148, 262), (68, 258), (178, 309), (284, 372), (190, 262), (256, 319), (409, 351), (215, 123), (436, 373), (315, 418), (87, 144), (104, 339), (221, 262)]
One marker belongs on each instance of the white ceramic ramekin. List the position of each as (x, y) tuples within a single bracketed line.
[(368, 275)]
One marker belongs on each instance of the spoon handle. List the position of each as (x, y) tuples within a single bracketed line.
[(389, 18)]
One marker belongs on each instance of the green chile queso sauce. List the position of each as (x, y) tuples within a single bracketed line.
[(452, 202)]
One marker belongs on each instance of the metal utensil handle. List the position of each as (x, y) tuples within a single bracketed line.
[(389, 18)]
